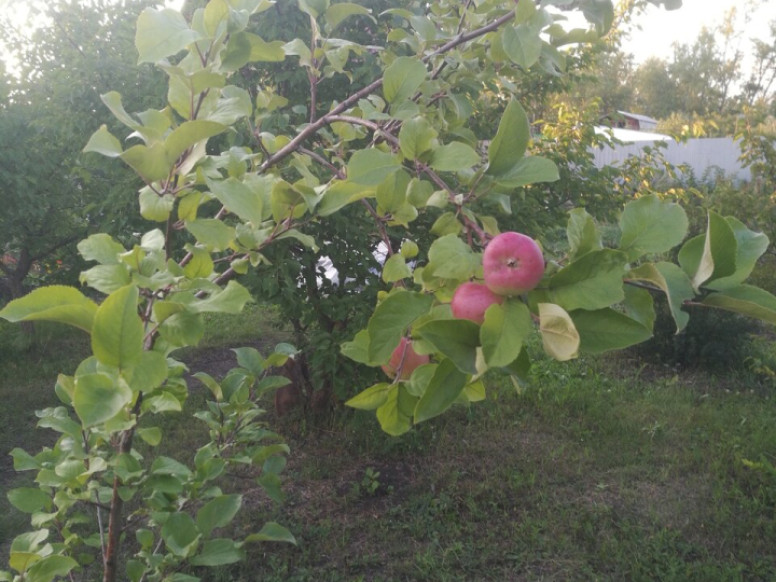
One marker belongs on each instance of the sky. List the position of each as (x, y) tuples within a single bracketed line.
[(661, 28)]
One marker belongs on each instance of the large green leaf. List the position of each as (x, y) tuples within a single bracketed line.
[(29, 499), (238, 198), (218, 512), (582, 234), (416, 137), (593, 281), (50, 568), (750, 246), (529, 170), (104, 142), (102, 248), (338, 12), (272, 532), (746, 300), (180, 534), (607, 329), (651, 225), (711, 256), (189, 133), (369, 167), (218, 552), (522, 44), (161, 34), (117, 332), (393, 420), (402, 78), (212, 233), (98, 397), (55, 303), (503, 332), (511, 140), (230, 299), (391, 319), (457, 339), (454, 157), (559, 335), (444, 388), (674, 282), (372, 398), (450, 257)]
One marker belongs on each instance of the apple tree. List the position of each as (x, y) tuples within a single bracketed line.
[(223, 185)]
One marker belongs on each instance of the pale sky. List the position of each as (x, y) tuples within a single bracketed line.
[(661, 28)]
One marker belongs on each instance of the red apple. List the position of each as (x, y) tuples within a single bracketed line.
[(406, 358), (470, 301), (512, 264)]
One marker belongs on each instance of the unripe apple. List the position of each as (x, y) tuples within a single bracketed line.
[(512, 264), (407, 358), (470, 301)]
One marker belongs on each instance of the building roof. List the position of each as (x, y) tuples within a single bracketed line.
[(638, 116)]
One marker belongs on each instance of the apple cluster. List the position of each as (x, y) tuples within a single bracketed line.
[(512, 264)]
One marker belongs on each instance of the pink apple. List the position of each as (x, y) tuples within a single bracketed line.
[(470, 301), (406, 358), (512, 264)]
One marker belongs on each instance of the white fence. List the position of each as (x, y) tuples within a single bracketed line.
[(702, 155)]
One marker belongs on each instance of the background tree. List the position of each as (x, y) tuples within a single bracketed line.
[(52, 194)]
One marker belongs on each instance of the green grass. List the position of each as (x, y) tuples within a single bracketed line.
[(600, 470)]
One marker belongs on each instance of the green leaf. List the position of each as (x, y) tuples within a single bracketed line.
[(180, 534), (358, 349), (390, 320), (582, 234), (151, 435), (674, 282), (154, 207), (390, 415), (593, 281), (112, 100), (336, 13), (150, 373), (503, 332), (750, 246), (239, 199), (402, 78), (529, 170), (102, 248), (182, 329), (188, 134), (457, 339), (651, 225), (607, 329), (218, 552), (106, 278), (49, 568), (370, 167), (416, 137), (54, 303), (450, 257), (148, 161), (117, 333), (511, 140), (218, 512), (272, 532), (522, 44), (372, 398), (454, 157), (266, 52), (559, 336), (445, 386), (98, 397), (161, 34), (230, 299), (720, 248), (746, 300), (104, 142), (29, 499), (212, 233), (395, 269)]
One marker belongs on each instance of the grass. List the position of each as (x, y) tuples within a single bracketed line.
[(601, 469)]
